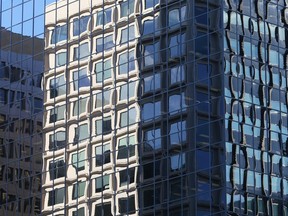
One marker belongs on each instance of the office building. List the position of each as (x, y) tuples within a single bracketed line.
[(164, 107), (21, 117)]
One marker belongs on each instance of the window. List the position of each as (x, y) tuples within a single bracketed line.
[(80, 25), (57, 86), (177, 45), (151, 83), (81, 51), (126, 147), (80, 79), (127, 8), (79, 106), (150, 26), (176, 16), (203, 73), (81, 133), (151, 170), (104, 17), (177, 133), (127, 91), (151, 3), (102, 183), (59, 34), (104, 43), (152, 140), (57, 168), (61, 59), (57, 114), (177, 162), (103, 126), (177, 74), (79, 189), (126, 62), (103, 70), (127, 205), (79, 212), (127, 177), (127, 34), (57, 140), (102, 154), (78, 160), (151, 54), (103, 209), (56, 196), (128, 118), (151, 110), (177, 103), (103, 98)]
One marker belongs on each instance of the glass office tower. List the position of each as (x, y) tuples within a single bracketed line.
[(21, 109)]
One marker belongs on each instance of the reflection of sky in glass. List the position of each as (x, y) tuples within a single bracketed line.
[(25, 18)]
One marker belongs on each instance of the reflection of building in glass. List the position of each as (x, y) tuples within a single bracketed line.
[(21, 100), (165, 108)]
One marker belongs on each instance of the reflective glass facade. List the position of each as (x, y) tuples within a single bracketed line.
[(143, 107)]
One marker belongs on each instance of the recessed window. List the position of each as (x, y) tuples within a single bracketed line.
[(80, 25), (203, 73), (177, 103), (104, 17), (127, 205), (103, 98), (128, 117), (79, 106), (176, 16), (61, 59), (178, 133), (177, 45), (81, 51), (127, 8), (126, 147), (151, 170), (126, 62), (103, 209), (102, 183), (152, 140), (57, 169), (127, 177), (81, 133), (81, 79), (78, 160), (151, 3), (57, 86), (103, 126), (102, 154), (177, 74), (104, 43), (57, 140), (57, 114), (177, 162), (103, 70), (151, 54), (150, 26), (151, 83), (151, 110), (127, 91), (79, 189), (201, 15), (79, 212), (56, 196), (127, 34), (59, 34)]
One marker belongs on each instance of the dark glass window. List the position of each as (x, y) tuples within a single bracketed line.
[(104, 17), (102, 154), (81, 133), (127, 34), (78, 160), (177, 45), (177, 133), (151, 54), (126, 147), (127, 177), (79, 212), (57, 114), (103, 209), (128, 118), (127, 205), (151, 110), (103, 126), (152, 140), (151, 3), (57, 86), (81, 51), (56, 196), (81, 79), (57, 140), (151, 83), (78, 190), (102, 183), (104, 43), (127, 8), (57, 169)]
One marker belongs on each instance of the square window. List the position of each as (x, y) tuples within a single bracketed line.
[(80, 25), (126, 147), (56, 196), (128, 118), (103, 209), (127, 91), (127, 8), (102, 183), (79, 106), (79, 189), (104, 17), (57, 169), (79, 212), (57, 114), (59, 34), (127, 34), (127, 205), (151, 110), (103, 126), (81, 79), (57, 140), (81, 133), (82, 51), (127, 177), (104, 43), (57, 86), (152, 140), (102, 154), (151, 83)]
